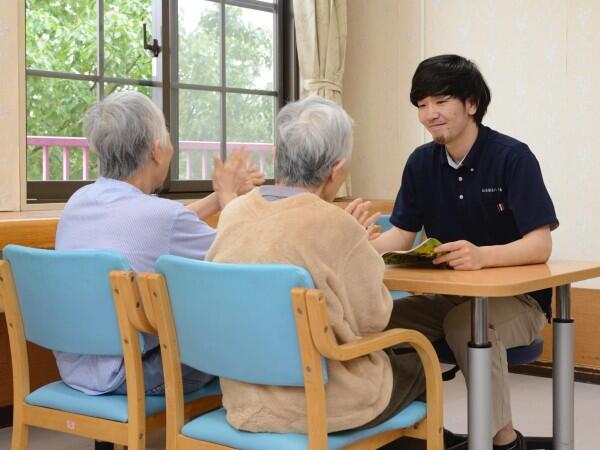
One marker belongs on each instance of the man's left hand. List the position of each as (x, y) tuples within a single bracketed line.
[(462, 255)]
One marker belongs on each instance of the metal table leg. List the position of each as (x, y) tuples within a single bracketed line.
[(563, 382), (480, 378)]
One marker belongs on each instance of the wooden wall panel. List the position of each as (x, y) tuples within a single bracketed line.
[(42, 366), (37, 233), (585, 309)]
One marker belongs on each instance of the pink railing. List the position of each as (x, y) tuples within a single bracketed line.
[(66, 144), (206, 149)]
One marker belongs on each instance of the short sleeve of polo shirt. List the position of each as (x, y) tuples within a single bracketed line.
[(190, 236), (527, 196), (406, 214)]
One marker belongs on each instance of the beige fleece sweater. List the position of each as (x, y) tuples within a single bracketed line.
[(306, 231)]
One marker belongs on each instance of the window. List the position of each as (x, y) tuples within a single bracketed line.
[(219, 69)]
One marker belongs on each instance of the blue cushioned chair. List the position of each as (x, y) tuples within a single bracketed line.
[(265, 324), (62, 301)]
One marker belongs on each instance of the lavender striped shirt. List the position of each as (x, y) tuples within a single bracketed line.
[(116, 216)]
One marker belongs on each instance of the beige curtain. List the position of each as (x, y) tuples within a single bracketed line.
[(321, 28)]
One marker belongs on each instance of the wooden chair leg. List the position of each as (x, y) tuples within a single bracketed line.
[(136, 439), (20, 437)]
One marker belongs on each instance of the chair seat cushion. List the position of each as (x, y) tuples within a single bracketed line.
[(515, 356), (525, 354), (59, 396), (213, 427), (397, 295)]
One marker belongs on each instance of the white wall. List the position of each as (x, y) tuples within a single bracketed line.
[(541, 59), (382, 50), (11, 128)]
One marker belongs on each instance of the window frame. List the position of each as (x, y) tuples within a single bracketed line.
[(286, 89)]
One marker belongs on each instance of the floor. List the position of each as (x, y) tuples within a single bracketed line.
[(532, 414)]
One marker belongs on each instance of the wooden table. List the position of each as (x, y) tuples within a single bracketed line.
[(501, 282)]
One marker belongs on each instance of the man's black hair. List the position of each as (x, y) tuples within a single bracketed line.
[(451, 75)]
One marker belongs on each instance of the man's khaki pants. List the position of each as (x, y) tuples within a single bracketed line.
[(513, 322)]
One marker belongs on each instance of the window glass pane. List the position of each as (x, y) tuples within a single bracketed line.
[(199, 42), (61, 35), (124, 54), (199, 133), (250, 123), (249, 48), (55, 111)]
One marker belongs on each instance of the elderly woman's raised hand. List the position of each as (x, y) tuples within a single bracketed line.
[(254, 177), (236, 176), (359, 209)]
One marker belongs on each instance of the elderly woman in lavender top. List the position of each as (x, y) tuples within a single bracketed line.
[(118, 213)]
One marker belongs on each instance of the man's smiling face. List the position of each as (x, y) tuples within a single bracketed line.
[(445, 117)]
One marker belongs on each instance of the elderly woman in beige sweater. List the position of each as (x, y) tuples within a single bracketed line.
[(293, 223)]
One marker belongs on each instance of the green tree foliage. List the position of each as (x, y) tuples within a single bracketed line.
[(62, 35), (249, 54)]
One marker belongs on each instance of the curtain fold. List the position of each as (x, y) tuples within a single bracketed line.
[(321, 30)]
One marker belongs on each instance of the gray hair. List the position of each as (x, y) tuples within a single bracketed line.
[(122, 130), (311, 135)]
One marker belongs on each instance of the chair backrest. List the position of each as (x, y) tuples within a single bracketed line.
[(65, 298), (385, 224), (237, 320)]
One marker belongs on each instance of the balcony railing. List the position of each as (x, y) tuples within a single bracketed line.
[(206, 150)]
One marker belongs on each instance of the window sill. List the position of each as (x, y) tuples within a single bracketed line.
[(38, 228), (30, 228)]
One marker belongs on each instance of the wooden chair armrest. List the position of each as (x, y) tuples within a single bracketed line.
[(373, 343), (136, 310), (327, 345)]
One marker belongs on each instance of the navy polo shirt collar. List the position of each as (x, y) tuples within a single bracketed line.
[(470, 160)]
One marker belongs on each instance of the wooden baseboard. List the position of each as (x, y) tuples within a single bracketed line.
[(544, 369)]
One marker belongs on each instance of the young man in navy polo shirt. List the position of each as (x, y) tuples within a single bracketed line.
[(482, 194)]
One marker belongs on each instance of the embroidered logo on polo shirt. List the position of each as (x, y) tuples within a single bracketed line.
[(493, 189)]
